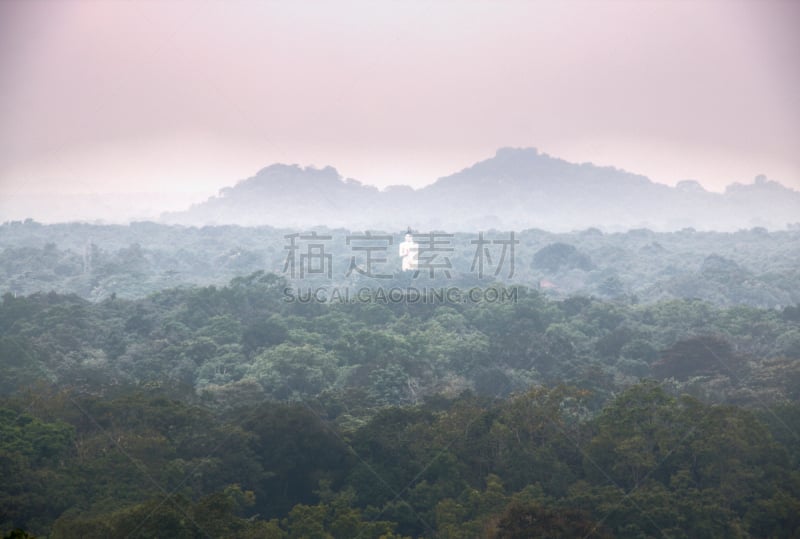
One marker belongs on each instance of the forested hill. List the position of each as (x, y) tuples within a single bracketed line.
[(230, 412), (517, 188), (750, 267)]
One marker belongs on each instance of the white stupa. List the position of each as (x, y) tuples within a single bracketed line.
[(409, 253)]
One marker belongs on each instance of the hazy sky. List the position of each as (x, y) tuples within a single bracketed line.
[(192, 96)]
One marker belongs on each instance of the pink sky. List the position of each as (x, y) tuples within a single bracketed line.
[(191, 96)]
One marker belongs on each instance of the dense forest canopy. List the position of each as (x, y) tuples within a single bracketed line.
[(228, 411)]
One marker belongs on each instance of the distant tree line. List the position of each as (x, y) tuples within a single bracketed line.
[(751, 267)]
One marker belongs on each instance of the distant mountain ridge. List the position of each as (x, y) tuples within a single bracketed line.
[(518, 188)]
